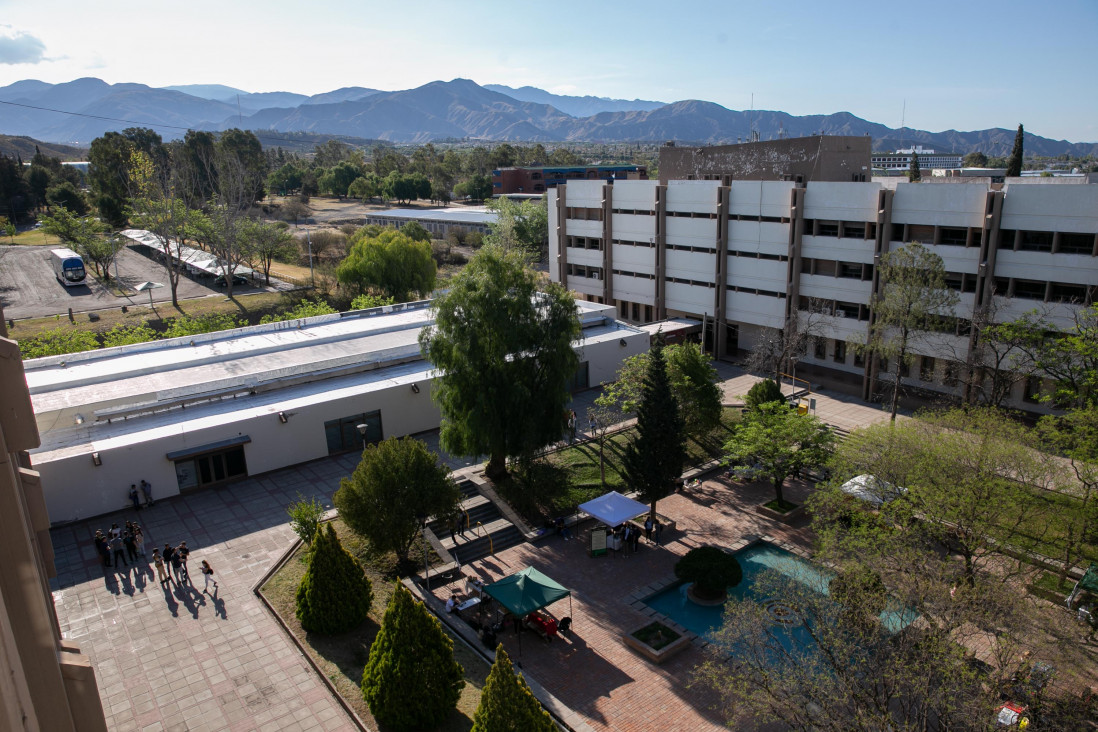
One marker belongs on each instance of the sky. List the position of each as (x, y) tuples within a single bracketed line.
[(934, 65)]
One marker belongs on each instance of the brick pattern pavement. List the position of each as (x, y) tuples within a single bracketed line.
[(592, 671)]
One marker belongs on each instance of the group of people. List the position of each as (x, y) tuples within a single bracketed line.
[(146, 492), (171, 565), (630, 534), (458, 524), (571, 422)]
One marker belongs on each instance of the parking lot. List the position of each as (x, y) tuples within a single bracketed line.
[(28, 288)]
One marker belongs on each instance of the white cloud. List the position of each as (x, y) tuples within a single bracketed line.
[(17, 47)]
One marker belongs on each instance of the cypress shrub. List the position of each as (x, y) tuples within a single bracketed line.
[(411, 680), (335, 594), (711, 569), (507, 704), (763, 392)]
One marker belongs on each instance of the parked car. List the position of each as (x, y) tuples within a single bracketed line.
[(238, 281)]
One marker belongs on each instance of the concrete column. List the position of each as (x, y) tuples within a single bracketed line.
[(880, 248), (562, 235), (661, 252), (985, 286), (793, 271), (720, 261), (607, 247)]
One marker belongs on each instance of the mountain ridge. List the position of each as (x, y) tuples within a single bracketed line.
[(459, 108)]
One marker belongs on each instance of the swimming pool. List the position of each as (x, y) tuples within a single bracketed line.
[(754, 560)]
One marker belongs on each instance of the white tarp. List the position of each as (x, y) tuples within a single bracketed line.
[(613, 508), (871, 489)]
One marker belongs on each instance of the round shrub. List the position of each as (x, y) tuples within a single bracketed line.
[(711, 569), (763, 392)]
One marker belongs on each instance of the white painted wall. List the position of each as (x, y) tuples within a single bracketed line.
[(835, 288), (840, 250), (632, 227), (841, 201), (763, 274), (634, 194), (583, 227), (689, 298), (691, 265), (695, 196), (939, 205), (692, 232), (584, 194), (1076, 269), (634, 259), (1051, 208), (760, 198), (634, 289), (755, 309)]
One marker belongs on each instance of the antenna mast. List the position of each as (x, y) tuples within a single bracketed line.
[(903, 119)]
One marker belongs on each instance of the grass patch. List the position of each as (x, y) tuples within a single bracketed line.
[(32, 238), (782, 506), (342, 658), (1050, 582), (656, 635)]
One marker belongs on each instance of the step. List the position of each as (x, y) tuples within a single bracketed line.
[(475, 535), (474, 550), (478, 507)]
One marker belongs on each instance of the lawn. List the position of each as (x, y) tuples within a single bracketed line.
[(343, 658), (572, 475), (32, 238)]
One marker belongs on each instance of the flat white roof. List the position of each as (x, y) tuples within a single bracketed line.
[(463, 215)]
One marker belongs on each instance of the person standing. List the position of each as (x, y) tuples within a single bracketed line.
[(115, 531), (464, 519), (118, 551), (451, 526), (656, 531), (208, 573), (171, 561), (133, 497), (648, 529), (139, 540), (626, 539), (161, 573), (147, 489), (636, 537), (594, 425), (130, 541), (183, 552), (102, 547)]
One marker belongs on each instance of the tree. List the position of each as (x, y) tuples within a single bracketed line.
[(782, 441), (56, 342), (391, 263), (763, 392), (504, 355), (246, 151), (507, 704), (1075, 436), (208, 323), (653, 459), (306, 515), (975, 159), (778, 349), (1014, 162), (84, 234), (365, 187), (101, 251), (711, 569), (8, 228), (339, 178), (366, 301), (915, 173), (267, 242), (411, 652), (477, 188), (396, 485), (303, 309), (285, 180), (415, 231), (523, 226), (335, 594), (64, 194), (914, 302), (111, 163)]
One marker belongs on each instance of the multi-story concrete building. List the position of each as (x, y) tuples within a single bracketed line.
[(797, 159), (45, 682), (753, 255), (539, 180), (928, 159)]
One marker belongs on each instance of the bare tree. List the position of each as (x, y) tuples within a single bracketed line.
[(783, 348)]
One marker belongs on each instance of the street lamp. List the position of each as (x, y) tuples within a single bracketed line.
[(362, 428), (426, 568)]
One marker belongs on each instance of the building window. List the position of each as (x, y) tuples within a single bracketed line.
[(854, 230), (1032, 392), (840, 352), (580, 380), (926, 369), (1036, 241), (953, 237), (1068, 293), (897, 232), (820, 350), (1029, 289), (921, 233), (827, 228), (1076, 243), (211, 468), (850, 270), (952, 369), (343, 434), (1006, 238), (859, 358)]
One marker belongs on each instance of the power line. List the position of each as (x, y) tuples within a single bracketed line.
[(154, 125)]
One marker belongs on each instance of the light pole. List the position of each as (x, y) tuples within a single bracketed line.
[(362, 428), (426, 568)]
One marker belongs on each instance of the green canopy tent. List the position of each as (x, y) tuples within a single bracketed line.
[(1089, 582), (524, 592)]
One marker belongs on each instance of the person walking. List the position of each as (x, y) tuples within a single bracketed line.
[(464, 522), (208, 573), (161, 572), (572, 425), (103, 547), (147, 489), (183, 552), (118, 551), (131, 546), (133, 497), (451, 526)]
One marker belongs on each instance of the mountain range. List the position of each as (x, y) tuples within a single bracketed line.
[(457, 109)]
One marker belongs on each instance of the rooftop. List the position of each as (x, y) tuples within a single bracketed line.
[(463, 215)]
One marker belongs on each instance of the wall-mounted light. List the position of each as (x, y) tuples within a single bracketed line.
[(283, 418), (415, 388), (96, 461), (80, 419), (621, 342)]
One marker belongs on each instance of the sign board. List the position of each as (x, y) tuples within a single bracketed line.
[(598, 542)]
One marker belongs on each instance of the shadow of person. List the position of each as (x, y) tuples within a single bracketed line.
[(139, 581), (110, 581), (170, 600), (188, 601), (127, 585), (219, 606)]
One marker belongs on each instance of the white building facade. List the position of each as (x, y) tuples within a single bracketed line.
[(755, 254), (203, 411)]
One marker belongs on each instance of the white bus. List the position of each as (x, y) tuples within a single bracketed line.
[(68, 267)]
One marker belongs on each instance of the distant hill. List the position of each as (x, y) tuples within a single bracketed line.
[(207, 91), (575, 106), (24, 147), (457, 109)]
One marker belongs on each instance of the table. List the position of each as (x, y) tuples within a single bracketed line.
[(471, 602)]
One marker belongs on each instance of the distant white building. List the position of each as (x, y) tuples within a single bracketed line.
[(438, 221), (928, 159), (194, 412)]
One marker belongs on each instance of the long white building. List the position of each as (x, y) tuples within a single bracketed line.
[(753, 254), (201, 411)]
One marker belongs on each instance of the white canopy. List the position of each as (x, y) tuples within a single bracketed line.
[(871, 489), (613, 508)]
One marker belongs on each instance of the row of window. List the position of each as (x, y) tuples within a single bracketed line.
[(685, 248), (695, 283), (639, 275), (1061, 242), (635, 311), (832, 268), (583, 213), (584, 242), (583, 270), (759, 255), (1045, 291), (756, 291)]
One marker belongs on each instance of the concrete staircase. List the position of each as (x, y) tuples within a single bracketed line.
[(488, 530)]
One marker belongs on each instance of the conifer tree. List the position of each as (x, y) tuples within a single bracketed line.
[(653, 460), (335, 594), (916, 173), (1014, 162), (507, 704), (411, 680)]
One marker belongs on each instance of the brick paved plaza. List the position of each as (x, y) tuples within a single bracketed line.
[(182, 660)]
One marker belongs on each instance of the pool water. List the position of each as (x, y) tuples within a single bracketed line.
[(755, 559)]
